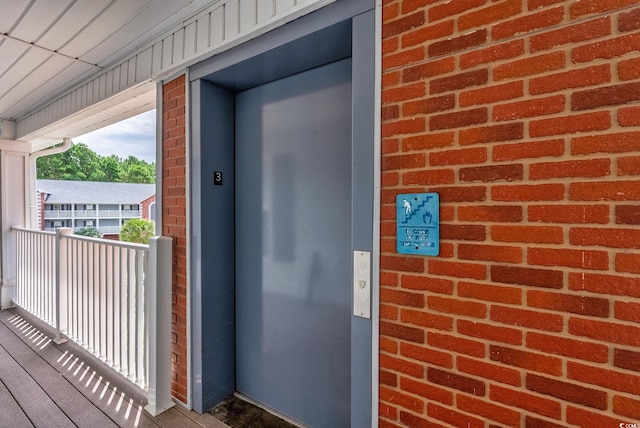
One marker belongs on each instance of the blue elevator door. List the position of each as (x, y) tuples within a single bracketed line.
[(294, 246)]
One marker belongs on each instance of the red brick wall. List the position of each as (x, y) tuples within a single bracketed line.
[(174, 222), (41, 197), (144, 206), (524, 115)]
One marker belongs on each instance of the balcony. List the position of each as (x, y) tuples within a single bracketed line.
[(110, 299), (105, 230), (54, 214), (131, 213), (90, 214), (109, 213), (85, 213), (109, 230), (48, 384)]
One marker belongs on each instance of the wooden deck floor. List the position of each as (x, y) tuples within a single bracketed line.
[(47, 385)]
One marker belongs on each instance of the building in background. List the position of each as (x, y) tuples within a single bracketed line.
[(102, 205)]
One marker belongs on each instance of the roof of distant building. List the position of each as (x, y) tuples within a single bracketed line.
[(94, 192)]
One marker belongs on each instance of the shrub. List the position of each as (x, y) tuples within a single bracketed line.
[(137, 230), (88, 231)]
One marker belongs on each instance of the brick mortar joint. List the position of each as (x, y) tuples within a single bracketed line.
[(524, 36)]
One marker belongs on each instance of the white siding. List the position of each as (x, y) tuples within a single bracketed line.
[(190, 39), (248, 14), (231, 19), (203, 25), (221, 26), (217, 26), (265, 11)]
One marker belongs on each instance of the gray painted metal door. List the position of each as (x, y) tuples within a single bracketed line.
[(293, 245)]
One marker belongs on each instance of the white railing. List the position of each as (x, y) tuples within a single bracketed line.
[(105, 230), (109, 229), (85, 213), (109, 213), (130, 213), (57, 214), (112, 298), (53, 214), (37, 272), (102, 303)]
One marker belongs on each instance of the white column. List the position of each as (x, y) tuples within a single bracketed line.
[(14, 187), (158, 321)]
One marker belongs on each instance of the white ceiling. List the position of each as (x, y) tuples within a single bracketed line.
[(50, 46)]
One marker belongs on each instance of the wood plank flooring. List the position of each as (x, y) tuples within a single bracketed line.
[(47, 385)]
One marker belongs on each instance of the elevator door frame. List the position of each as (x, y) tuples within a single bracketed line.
[(311, 41)]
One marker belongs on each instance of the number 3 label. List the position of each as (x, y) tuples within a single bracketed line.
[(217, 178)]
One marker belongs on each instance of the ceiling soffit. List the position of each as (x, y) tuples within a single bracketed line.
[(49, 46), (83, 54)]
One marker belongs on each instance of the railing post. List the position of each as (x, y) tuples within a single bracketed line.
[(158, 321), (9, 288), (61, 282)]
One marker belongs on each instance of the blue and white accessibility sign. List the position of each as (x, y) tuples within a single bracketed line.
[(418, 223)]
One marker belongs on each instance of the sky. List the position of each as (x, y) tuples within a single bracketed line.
[(135, 136)]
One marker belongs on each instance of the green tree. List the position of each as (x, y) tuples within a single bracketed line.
[(135, 170), (137, 173), (137, 230), (80, 163), (88, 231), (84, 160), (98, 175), (112, 168)]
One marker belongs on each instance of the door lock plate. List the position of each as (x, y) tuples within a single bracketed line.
[(362, 284)]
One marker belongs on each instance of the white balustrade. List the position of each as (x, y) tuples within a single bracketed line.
[(108, 213), (52, 214), (36, 273), (109, 229), (85, 213), (106, 296), (131, 213)]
